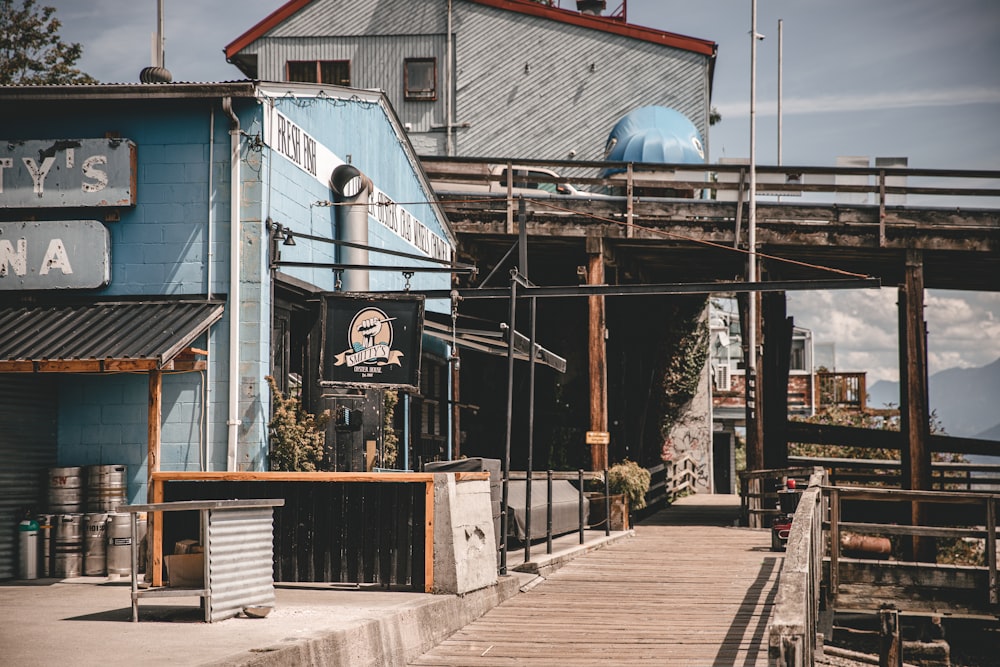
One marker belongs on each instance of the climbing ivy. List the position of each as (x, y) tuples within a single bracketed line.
[(684, 346), (390, 441)]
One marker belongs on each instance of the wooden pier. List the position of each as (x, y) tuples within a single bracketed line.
[(689, 588)]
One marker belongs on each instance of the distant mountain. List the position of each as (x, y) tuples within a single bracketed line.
[(966, 400), (990, 434), (883, 393)]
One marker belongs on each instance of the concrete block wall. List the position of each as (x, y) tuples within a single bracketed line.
[(103, 421), (162, 246), (465, 547)]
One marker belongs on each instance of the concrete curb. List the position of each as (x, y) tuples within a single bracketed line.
[(546, 564), (390, 640)]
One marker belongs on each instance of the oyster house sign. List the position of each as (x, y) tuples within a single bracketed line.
[(61, 173)]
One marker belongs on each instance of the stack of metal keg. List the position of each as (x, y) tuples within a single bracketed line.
[(83, 534)]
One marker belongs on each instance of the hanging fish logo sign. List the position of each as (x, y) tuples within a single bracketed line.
[(370, 341)]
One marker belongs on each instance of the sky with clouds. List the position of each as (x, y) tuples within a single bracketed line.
[(897, 78)]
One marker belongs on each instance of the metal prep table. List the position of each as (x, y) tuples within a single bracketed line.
[(238, 541)]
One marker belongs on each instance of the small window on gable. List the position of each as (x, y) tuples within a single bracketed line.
[(420, 79), (336, 72)]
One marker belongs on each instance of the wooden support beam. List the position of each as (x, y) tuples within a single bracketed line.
[(597, 348), (914, 410), (429, 537), (890, 645), (773, 379), (153, 419)]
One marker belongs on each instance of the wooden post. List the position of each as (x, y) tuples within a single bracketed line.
[(153, 527), (429, 537), (991, 547), (597, 353), (831, 593), (890, 646), (914, 409), (773, 379)]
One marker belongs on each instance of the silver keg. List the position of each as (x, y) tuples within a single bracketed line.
[(68, 545), (95, 544), (119, 544), (66, 490), (107, 486)]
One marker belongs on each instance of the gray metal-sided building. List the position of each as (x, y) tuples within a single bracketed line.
[(487, 77)]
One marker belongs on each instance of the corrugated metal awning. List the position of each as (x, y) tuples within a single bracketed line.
[(490, 341), (101, 336)]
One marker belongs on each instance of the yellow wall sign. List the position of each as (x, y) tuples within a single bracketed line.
[(598, 437)]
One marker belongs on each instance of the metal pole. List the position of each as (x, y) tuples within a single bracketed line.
[(522, 231), (159, 57), (580, 504), (751, 389), (510, 412), (531, 427), (607, 504), (780, 55), (548, 514)]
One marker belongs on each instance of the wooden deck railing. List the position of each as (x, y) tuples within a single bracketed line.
[(795, 616), (924, 517), (841, 390), (759, 492), (973, 477)]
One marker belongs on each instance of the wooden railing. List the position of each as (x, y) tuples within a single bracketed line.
[(759, 492), (668, 481), (841, 390), (882, 188), (908, 580), (945, 476), (794, 623), (334, 527)]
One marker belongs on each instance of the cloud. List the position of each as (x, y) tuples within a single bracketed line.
[(963, 328), (880, 101)]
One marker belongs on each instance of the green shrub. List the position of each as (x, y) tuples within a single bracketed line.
[(298, 438), (630, 479)]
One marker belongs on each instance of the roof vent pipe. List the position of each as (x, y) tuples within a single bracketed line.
[(158, 72), (352, 189), (592, 7)]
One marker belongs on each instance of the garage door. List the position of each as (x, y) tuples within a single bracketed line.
[(28, 410)]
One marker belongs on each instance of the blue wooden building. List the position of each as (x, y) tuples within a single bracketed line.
[(166, 247)]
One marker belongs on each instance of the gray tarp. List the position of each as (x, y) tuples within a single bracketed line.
[(565, 508)]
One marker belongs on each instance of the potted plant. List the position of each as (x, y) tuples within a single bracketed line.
[(628, 483)]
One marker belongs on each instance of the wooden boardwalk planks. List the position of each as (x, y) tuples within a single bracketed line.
[(689, 589)]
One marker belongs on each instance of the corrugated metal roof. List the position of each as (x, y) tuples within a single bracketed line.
[(108, 333), (606, 24), (130, 91)]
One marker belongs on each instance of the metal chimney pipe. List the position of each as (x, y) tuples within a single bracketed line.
[(352, 189)]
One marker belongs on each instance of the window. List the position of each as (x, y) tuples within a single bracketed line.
[(337, 72), (292, 344), (420, 79), (798, 359)]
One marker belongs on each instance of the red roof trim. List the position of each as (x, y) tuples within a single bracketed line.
[(605, 24), (272, 20)]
